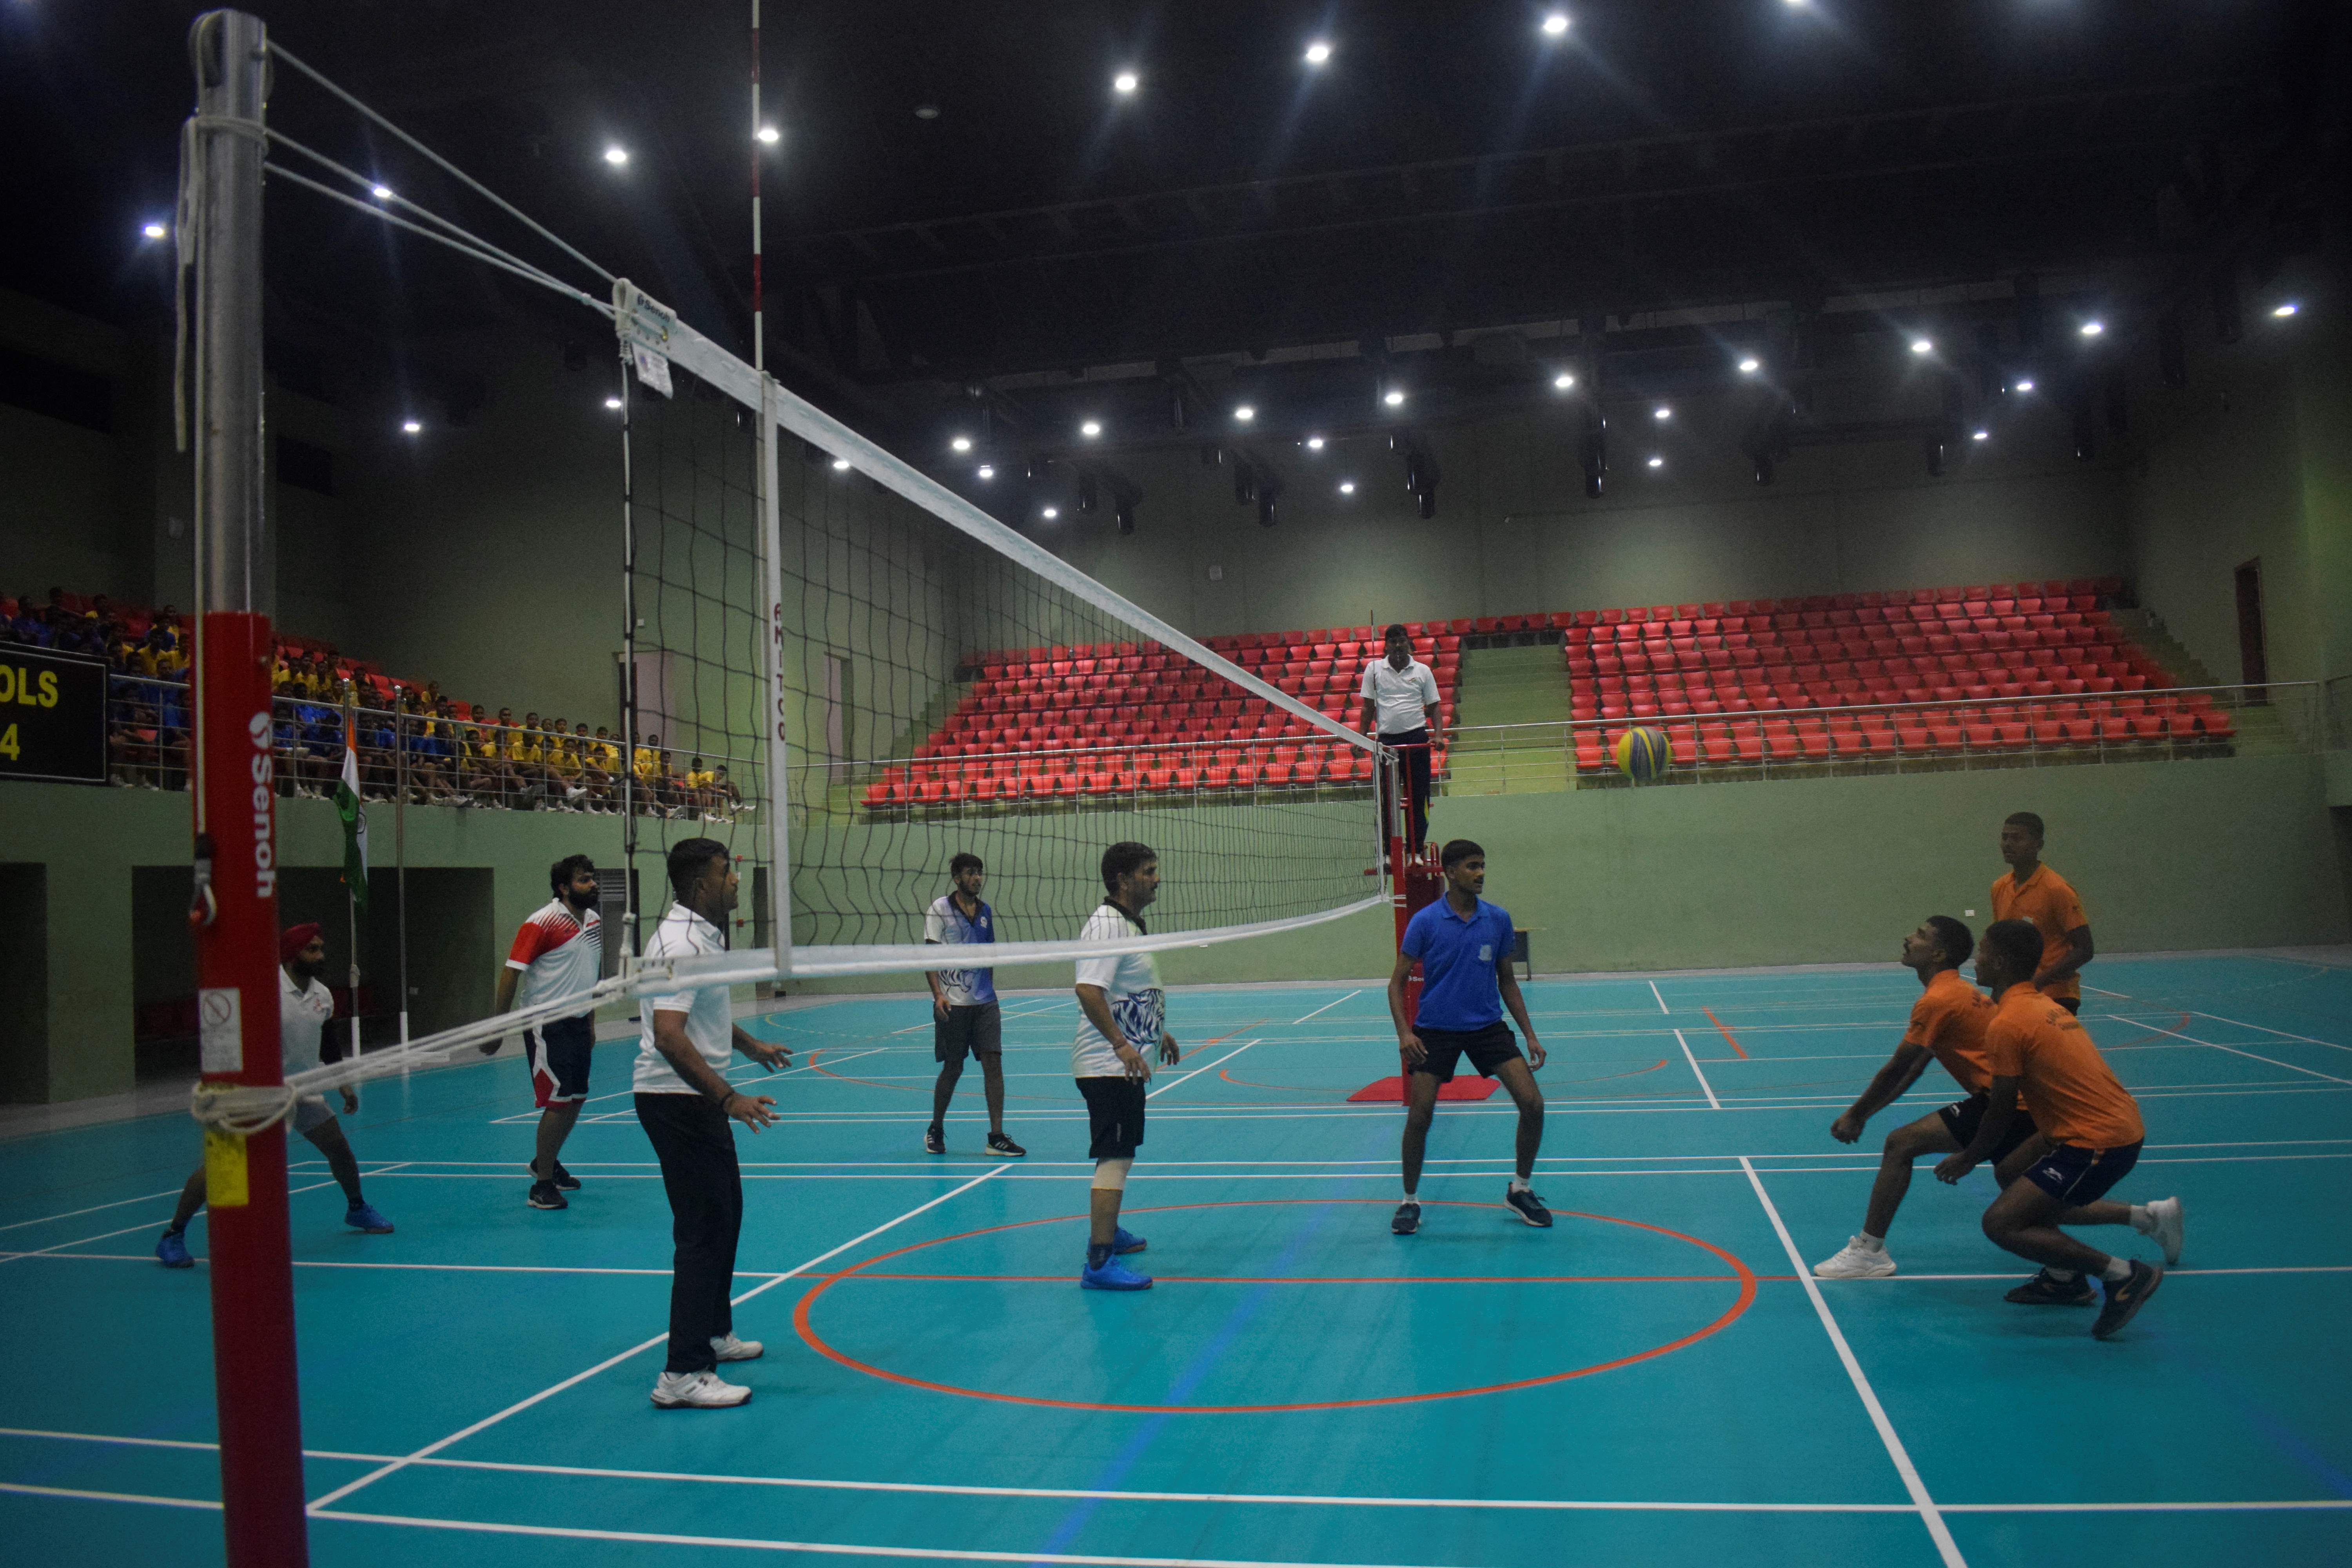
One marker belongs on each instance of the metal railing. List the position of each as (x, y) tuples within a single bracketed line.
[(1116, 775), (2281, 718), (433, 759)]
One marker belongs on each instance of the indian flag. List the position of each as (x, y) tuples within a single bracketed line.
[(347, 806)]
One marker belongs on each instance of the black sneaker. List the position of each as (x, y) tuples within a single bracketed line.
[(543, 1195), (1531, 1207), (1407, 1219), (2126, 1297), (2046, 1289), (564, 1179), (998, 1144), (935, 1140)]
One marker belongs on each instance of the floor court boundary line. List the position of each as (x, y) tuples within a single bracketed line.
[(69, 1214), (1197, 1071), (1709, 1088), (2233, 1050), (579, 1377), (2265, 1028), (1662, 999), (1937, 1531), (1325, 1008), (126, 1230)]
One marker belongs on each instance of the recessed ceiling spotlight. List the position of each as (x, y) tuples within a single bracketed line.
[(1318, 52), (1315, 442), (1563, 381), (1556, 24), (841, 465), (1658, 462), (987, 471), (1124, 81), (1347, 487), (411, 427), (2092, 329), (1091, 428), (1394, 397), (1983, 436), (1923, 345), (960, 444), (616, 156), (153, 230), (1050, 513), (1246, 414), (380, 193), (1663, 412), (1750, 366), (2023, 383), (2288, 309), (612, 403), (768, 135), (927, 111)]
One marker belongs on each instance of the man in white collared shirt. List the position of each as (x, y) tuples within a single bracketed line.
[(684, 1104), (1399, 709)]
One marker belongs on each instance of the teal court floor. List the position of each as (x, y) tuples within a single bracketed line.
[(1656, 1380)]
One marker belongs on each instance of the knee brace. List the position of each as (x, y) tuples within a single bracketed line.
[(1110, 1175)]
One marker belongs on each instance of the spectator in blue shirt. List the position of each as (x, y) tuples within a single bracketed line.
[(1463, 944)]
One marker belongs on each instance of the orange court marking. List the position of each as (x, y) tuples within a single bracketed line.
[(1740, 1272), (1724, 1032)]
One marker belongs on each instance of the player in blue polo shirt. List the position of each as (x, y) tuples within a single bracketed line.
[(1464, 945)]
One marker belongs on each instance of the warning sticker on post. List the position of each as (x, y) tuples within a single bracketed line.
[(647, 326), (220, 1029)]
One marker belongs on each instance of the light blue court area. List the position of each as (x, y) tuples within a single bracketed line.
[(1652, 1381)]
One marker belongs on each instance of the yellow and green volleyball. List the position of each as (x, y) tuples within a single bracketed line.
[(1644, 754)]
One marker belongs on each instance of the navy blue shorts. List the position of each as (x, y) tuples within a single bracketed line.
[(558, 1051), (2073, 1175), (1963, 1117), (1487, 1049)]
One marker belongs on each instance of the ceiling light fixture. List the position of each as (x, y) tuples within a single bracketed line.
[(2288, 309), (612, 403), (2024, 385), (927, 111), (768, 135), (380, 193), (1318, 52), (987, 471), (1315, 442), (154, 231), (841, 465), (1124, 81), (1246, 414), (960, 444), (1347, 487), (1923, 345), (1749, 366), (1394, 397), (1556, 24), (616, 156), (411, 427), (1091, 428), (1663, 412), (1050, 513), (1563, 381), (1983, 436), (1658, 462), (2092, 329)]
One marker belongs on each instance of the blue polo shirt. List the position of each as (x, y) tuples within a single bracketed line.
[(1457, 964)]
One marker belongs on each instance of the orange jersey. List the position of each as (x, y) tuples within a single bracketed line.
[(2067, 1085), (2049, 903), (1949, 1021)]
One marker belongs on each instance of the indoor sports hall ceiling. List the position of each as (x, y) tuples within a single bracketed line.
[(963, 193)]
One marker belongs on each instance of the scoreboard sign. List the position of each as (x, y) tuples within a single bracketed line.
[(52, 716)]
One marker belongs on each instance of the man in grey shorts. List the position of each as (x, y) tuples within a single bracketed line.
[(303, 1008), (965, 1015)]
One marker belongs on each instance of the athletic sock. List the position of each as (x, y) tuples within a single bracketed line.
[(1519, 1184), (2142, 1221), (2116, 1270), (1098, 1254), (1411, 1196), (1870, 1243)]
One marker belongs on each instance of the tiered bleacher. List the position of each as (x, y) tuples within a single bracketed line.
[(1919, 672), (1126, 719)]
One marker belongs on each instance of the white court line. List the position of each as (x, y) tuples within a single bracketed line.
[(147, 1224), (1661, 997), (1703, 1084), (83, 1496), (2233, 1050), (141, 1198), (520, 1405), (1327, 1007), (2266, 1030), (1197, 1071), (803, 1066), (1937, 1529)]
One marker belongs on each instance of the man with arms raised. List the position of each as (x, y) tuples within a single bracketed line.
[(1947, 1025), (685, 1106), (2037, 1048), (558, 951), (1464, 945), (964, 1014), (303, 1008), (1123, 1015), (2029, 890)]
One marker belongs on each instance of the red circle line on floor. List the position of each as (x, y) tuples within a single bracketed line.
[(801, 1312)]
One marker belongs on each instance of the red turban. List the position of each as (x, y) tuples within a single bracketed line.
[(294, 939)]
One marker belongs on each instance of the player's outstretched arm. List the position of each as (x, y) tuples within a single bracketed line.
[(1889, 1084), (770, 1055), (1508, 983)]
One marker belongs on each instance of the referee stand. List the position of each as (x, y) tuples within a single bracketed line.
[(1414, 880)]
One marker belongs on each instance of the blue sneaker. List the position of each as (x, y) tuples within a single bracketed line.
[(1124, 1241), (1114, 1275), (172, 1251), (362, 1216)]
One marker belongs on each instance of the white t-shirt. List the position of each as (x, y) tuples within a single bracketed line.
[(302, 1013), (709, 1019), (944, 922), (1401, 694), (1131, 982), (557, 953)]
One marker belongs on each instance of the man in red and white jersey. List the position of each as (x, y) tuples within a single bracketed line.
[(558, 951)]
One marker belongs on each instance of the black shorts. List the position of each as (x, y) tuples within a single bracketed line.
[(1487, 1049), (2078, 1176), (558, 1051), (1963, 1117), (980, 1030), (1114, 1116)]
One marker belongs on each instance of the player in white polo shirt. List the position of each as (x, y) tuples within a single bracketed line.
[(1400, 705), (1122, 1024), (684, 1104), (303, 1008), (558, 951)]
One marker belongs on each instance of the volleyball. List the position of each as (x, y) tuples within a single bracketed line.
[(1643, 755)]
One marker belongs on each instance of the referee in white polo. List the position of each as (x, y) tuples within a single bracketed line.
[(1401, 708)]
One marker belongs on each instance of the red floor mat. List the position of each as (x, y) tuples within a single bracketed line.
[(1392, 1090)]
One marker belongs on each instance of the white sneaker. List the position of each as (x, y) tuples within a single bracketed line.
[(1855, 1261), (730, 1348), (2170, 1225), (698, 1391)]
